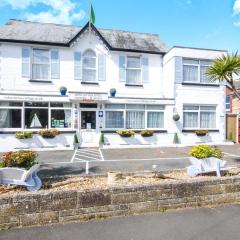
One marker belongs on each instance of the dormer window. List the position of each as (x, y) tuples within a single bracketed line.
[(89, 66), (40, 64)]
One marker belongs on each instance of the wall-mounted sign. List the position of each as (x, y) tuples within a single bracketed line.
[(89, 97), (100, 114)]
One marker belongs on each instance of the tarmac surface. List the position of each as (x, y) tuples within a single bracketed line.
[(221, 223)]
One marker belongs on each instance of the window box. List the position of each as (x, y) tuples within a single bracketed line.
[(201, 133), (126, 133), (147, 133)]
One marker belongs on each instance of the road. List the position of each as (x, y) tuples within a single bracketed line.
[(220, 223)]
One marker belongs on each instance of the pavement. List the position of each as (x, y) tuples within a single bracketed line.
[(219, 223)]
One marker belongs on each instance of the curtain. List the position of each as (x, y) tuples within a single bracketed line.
[(4, 118), (155, 120), (133, 76), (135, 120), (190, 73), (114, 119), (208, 120), (190, 119), (203, 76)]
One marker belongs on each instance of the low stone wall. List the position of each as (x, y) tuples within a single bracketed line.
[(46, 207)]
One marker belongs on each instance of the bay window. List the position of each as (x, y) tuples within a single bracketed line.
[(40, 64), (114, 116), (133, 71), (155, 116), (135, 116), (199, 117), (89, 66), (194, 71)]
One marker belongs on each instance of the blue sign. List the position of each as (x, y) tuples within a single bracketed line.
[(100, 114)]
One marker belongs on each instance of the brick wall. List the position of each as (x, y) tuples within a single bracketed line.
[(69, 206)]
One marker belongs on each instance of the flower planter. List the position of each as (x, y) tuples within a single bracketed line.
[(113, 92), (126, 135), (63, 92), (146, 135), (201, 134)]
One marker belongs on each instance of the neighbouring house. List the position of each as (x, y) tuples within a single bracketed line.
[(165, 90)]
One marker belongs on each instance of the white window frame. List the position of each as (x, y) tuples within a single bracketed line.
[(140, 68), (88, 68), (199, 115), (49, 63), (145, 110), (199, 65)]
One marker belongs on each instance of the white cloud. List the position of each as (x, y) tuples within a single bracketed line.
[(236, 7), (60, 11)]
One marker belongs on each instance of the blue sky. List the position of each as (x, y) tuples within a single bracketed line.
[(194, 23)]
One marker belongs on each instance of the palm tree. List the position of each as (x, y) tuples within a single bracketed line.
[(226, 67)]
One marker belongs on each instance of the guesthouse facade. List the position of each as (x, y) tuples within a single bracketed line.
[(93, 82)]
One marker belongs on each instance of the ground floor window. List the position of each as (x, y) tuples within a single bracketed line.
[(35, 115), (196, 116), (134, 116)]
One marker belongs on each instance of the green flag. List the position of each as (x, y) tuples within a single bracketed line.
[(92, 15)]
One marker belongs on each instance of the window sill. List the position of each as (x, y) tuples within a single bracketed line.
[(34, 131), (136, 131), (90, 83), (193, 130), (201, 84), (132, 85), (40, 81)]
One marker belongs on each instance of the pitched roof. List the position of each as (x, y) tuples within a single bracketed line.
[(62, 35)]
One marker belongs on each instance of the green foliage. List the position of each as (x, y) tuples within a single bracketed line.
[(21, 159), (49, 133), (201, 132), (205, 151), (147, 133), (75, 139), (176, 139), (125, 133), (230, 137), (23, 135), (101, 141)]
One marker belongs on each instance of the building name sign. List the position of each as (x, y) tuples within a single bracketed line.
[(89, 97), (32, 98)]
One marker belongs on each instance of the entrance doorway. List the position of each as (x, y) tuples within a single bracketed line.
[(88, 120)]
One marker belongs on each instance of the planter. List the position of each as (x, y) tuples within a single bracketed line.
[(63, 91), (113, 177), (201, 133), (126, 135), (146, 135), (113, 92), (176, 117)]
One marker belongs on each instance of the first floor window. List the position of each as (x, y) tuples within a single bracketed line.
[(60, 118), (133, 71), (36, 118), (155, 119), (199, 117), (114, 119), (228, 105), (10, 118), (135, 120)]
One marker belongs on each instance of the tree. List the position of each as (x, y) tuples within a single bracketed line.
[(226, 67)]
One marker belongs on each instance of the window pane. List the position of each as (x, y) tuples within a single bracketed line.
[(190, 61), (114, 120), (60, 118), (227, 99), (88, 105), (190, 120), (89, 62), (135, 120), (206, 62), (207, 120), (190, 73), (213, 108), (40, 71), (135, 106), (10, 118), (36, 104), (11, 104), (133, 62), (203, 76), (155, 120), (56, 104), (114, 106), (133, 77), (155, 107), (40, 56), (190, 107), (89, 75), (36, 118)]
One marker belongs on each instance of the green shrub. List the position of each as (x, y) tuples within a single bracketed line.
[(49, 133), (147, 133), (126, 133), (75, 139), (205, 151), (21, 159), (101, 141), (176, 139), (230, 136), (23, 135)]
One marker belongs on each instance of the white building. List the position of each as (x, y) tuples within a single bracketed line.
[(152, 84)]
